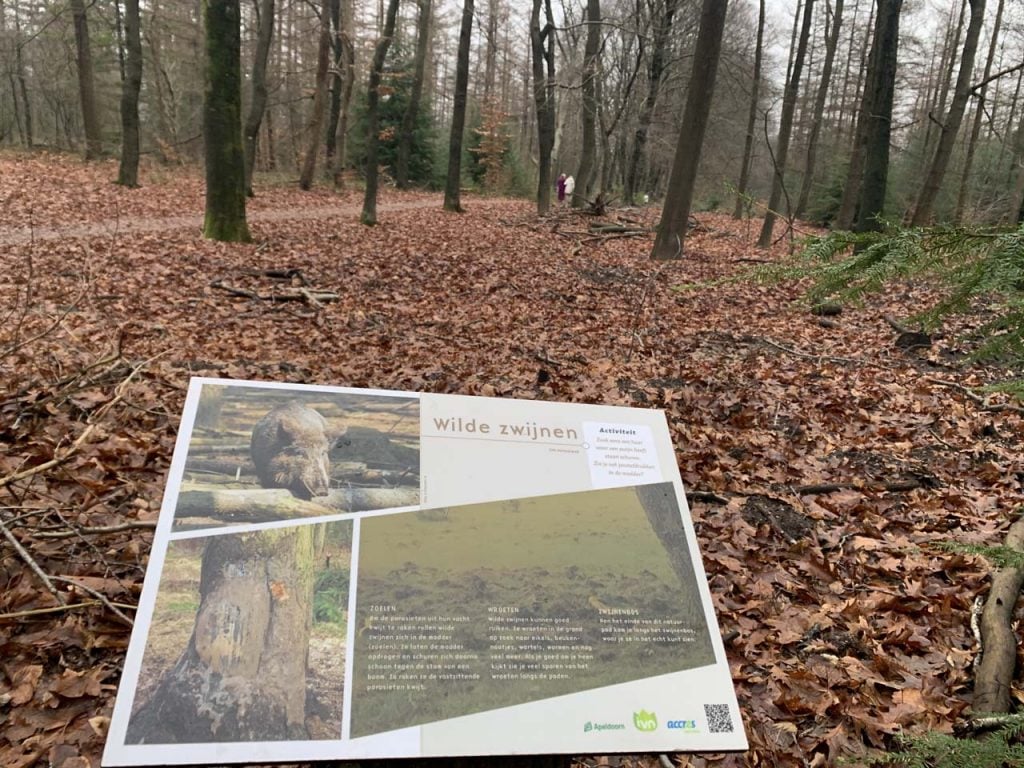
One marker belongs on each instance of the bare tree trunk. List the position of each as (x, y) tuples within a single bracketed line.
[(655, 72), (491, 56), (879, 124), (222, 124), (591, 71), (947, 64), (243, 675), (337, 84), (19, 67), (369, 215), (748, 144), (412, 109), (951, 123), (979, 111), (676, 212), (128, 173), (453, 184), (349, 59), (259, 88), (819, 110), (785, 129), (316, 119), (86, 82), (542, 45)]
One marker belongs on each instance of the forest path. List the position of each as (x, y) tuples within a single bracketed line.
[(128, 225)]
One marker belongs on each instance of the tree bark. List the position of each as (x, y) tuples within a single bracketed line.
[(676, 212), (86, 82), (269, 504), (452, 196), (258, 105), (655, 72), (879, 122), (222, 124), (316, 119), (819, 110), (128, 173), (979, 111), (412, 109), (748, 144), (951, 123), (243, 675), (369, 215), (348, 57), (337, 85), (785, 129), (542, 47), (591, 71), (19, 66)]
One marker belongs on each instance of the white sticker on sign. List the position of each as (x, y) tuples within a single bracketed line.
[(620, 454)]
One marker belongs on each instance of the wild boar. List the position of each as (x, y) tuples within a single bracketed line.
[(289, 448)]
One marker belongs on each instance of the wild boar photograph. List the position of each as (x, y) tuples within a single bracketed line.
[(259, 454)]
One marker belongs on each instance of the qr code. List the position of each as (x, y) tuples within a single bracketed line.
[(719, 719)]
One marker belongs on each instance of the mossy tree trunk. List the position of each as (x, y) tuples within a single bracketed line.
[(242, 676), (128, 173), (222, 124), (369, 216), (453, 184)]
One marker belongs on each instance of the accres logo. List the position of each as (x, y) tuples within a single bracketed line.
[(682, 725), (645, 721)]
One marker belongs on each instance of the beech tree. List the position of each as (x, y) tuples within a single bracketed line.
[(222, 124), (785, 129), (453, 184), (951, 122), (748, 144), (591, 72), (675, 214), (369, 215), (542, 47), (86, 82), (264, 35), (413, 107), (128, 172), (316, 118)]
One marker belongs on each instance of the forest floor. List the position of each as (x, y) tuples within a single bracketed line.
[(824, 461)]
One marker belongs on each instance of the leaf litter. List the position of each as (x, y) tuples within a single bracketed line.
[(843, 627)]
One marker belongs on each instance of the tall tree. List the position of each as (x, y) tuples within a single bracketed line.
[(128, 173), (412, 109), (979, 111), (785, 129), (86, 82), (347, 66), (591, 68), (452, 198), (882, 83), (818, 112), (655, 73), (369, 215), (675, 213), (951, 123), (748, 143), (316, 118), (258, 103), (542, 47), (222, 124)]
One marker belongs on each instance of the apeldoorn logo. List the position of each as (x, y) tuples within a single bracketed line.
[(592, 726), (645, 721), (682, 725)]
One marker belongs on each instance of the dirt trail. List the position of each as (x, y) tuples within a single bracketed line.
[(128, 225)]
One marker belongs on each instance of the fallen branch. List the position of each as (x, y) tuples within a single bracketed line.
[(31, 563), (706, 496), (981, 402), (999, 641), (895, 486), (314, 298), (95, 531), (99, 596), (262, 505)]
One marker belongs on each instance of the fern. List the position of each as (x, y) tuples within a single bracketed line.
[(999, 556), (939, 750), (968, 263)]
